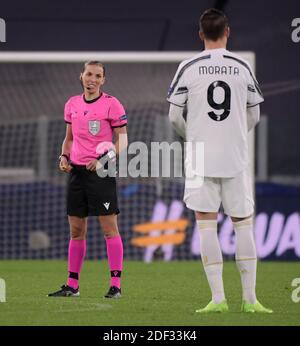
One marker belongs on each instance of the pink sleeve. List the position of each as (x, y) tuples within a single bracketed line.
[(68, 113), (117, 114)]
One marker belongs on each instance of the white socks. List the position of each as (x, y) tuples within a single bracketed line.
[(246, 258), (211, 256)]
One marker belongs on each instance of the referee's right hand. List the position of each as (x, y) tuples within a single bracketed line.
[(64, 165)]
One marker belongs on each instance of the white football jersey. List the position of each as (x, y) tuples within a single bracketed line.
[(216, 87)]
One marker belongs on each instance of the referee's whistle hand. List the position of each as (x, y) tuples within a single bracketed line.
[(64, 166), (68, 169)]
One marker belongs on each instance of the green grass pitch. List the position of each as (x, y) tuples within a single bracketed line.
[(156, 294)]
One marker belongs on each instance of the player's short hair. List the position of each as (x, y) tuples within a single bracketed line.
[(213, 24), (93, 62)]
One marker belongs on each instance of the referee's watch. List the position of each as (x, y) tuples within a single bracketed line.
[(63, 155)]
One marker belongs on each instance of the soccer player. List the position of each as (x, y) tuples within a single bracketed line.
[(92, 118), (220, 96)]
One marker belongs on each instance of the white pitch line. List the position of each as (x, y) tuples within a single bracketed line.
[(94, 307)]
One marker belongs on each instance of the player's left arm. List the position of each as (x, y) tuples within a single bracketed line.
[(110, 156), (121, 139), (118, 121), (121, 143), (253, 116)]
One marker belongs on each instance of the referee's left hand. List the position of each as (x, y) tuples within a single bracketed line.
[(92, 165)]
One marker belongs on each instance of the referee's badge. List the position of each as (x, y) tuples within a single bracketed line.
[(94, 127)]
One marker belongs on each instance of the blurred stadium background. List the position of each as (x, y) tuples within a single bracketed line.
[(32, 96)]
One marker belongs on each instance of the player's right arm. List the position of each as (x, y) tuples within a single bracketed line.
[(68, 140), (177, 120), (66, 150), (177, 97)]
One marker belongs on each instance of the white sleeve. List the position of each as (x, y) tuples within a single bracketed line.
[(178, 91), (254, 94), (177, 120), (253, 115)]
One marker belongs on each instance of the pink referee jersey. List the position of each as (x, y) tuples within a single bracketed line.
[(92, 124)]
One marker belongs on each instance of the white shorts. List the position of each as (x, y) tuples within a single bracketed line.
[(235, 194)]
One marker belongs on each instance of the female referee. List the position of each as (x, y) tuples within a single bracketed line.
[(92, 119)]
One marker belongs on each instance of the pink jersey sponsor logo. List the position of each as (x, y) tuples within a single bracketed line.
[(92, 124)]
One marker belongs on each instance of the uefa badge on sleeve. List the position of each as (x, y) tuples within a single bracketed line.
[(94, 127)]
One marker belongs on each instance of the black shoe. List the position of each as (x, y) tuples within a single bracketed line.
[(113, 292), (65, 291)]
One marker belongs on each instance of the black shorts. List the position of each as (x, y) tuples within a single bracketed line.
[(90, 195)]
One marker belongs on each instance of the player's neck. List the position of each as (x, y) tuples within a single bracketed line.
[(89, 96), (219, 44)]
